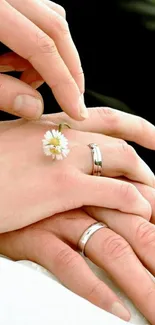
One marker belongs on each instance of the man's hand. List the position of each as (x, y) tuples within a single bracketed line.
[(38, 34)]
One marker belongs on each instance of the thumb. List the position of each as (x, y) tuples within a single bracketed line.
[(19, 99)]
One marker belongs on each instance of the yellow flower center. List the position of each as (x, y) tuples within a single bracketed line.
[(54, 151), (55, 142)]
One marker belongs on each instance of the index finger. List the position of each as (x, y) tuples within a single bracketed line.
[(54, 25), (40, 50)]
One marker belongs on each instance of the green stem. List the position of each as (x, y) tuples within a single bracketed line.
[(61, 125)]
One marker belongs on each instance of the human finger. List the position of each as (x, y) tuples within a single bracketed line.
[(13, 62), (114, 194), (148, 193), (22, 100), (40, 50), (44, 248), (114, 123), (138, 232), (111, 252), (118, 159), (56, 27)]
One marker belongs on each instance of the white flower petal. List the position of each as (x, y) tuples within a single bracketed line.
[(45, 142), (59, 148), (65, 152), (55, 133), (62, 148), (51, 146), (59, 157), (48, 135), (59, 134), (47, 151)]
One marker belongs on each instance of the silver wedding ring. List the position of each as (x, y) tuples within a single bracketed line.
[(97, 159), (88, 234)]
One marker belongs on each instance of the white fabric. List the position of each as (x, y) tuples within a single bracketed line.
[(30, 295)]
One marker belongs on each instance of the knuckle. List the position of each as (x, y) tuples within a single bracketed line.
[(67, 80), (106, 111), (45, 44), (148, 212), (58, 8), (79, 73), (150, 294), (59, 25), (79, 78), (121, 142), (128, 150), (142, 126), (127, 191), (63, 26), (145, 233), (115, 247), (62, 11), (93, 291), (109, 117), (67, 258)]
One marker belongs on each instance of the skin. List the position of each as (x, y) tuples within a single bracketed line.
[(44, 51), (51, 49), (123, 248), (60, 186)]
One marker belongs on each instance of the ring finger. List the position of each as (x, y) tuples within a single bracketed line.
[(136, 230), (118, 159), (111, 252)]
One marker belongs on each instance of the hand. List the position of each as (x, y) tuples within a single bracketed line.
[(34, 187), (121, 250), (38, 187), (37, 32)]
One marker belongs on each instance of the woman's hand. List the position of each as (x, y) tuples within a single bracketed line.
[(38, 34), (121, 250), (37, 187), (34, 187)]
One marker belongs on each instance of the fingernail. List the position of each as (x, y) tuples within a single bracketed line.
[(120, 311), (6, 68), (28, 106), (151, 177), (36, 84), (82, 107)]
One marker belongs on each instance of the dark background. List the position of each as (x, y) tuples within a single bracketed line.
[(116, 46)]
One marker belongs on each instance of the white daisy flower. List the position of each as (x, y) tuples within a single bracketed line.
[(55, 144)]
